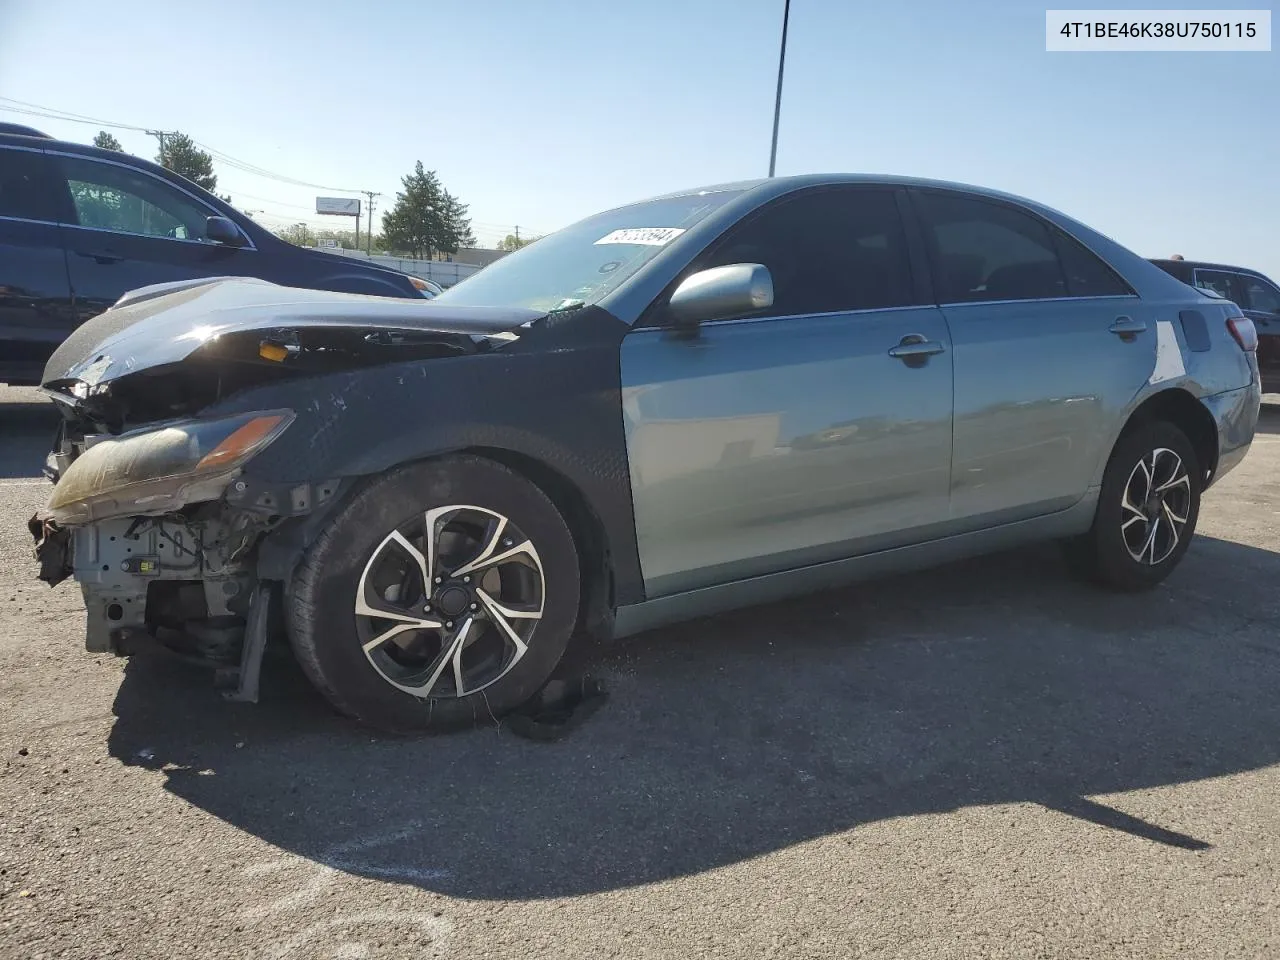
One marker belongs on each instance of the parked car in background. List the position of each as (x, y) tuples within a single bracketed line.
[(1253, 292), (80, 226), (710, 399)]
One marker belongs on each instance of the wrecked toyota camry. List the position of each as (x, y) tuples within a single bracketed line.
[(697, 402)]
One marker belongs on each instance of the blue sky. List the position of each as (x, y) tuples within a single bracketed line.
[(540, 113)]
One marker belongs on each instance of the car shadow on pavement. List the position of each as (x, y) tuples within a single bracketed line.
[(987, 682)]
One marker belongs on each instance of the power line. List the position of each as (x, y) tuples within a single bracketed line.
[(52, 113)]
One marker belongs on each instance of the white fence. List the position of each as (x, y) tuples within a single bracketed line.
[(445, 274)]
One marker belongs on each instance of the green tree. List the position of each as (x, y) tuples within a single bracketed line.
[(457, 224), (512, 242), (426, 219), (106, 141), (416, 222), (183, 157), (296, 233)]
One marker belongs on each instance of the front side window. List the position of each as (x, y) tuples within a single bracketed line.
[(110, 197), (828, 250), (581, 263), (1260, 295), (1220, 282), (24, 186), (988, 251)]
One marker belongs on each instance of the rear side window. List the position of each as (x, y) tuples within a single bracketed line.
[(1087, 274), (1260, 295), (828, 251), (988, 251), (25, 179)]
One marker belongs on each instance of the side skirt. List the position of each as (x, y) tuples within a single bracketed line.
[(677, 607)]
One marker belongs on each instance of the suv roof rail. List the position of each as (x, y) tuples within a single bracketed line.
[(23, 131)]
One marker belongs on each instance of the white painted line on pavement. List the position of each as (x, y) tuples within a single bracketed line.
[(26, 482)]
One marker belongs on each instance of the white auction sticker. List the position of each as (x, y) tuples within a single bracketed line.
[(645, 236), (1114, 31)]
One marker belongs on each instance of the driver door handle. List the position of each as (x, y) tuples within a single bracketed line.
[(101, 256), (915, 347)]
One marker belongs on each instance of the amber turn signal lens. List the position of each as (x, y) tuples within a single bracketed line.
[(252, 434), (272, 351)]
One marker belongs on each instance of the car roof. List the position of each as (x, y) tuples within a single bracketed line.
[(1203, 264), (780, 185)]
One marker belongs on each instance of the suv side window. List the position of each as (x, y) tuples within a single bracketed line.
[(829, 250), (1259, 295), (1220, 282), (984, 250), (25, 186), (110, 197)]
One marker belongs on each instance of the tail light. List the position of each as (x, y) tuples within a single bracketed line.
[(1245, 332)]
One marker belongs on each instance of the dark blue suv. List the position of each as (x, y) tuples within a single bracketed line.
[(80, 226)]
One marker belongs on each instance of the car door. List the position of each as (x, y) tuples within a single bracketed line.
[(35, 295), (1050, 346), (127, 228), (792, 436), (1260, 301)]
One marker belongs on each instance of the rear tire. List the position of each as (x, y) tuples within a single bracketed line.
[(1147, 510), (404, 655)]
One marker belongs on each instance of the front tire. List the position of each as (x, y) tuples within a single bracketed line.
[(444, 594), (1147, 510)]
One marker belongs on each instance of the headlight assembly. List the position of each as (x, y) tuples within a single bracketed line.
[(160, 469)]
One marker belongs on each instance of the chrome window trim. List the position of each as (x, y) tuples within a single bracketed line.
[(43, 223), (991, 303), (914, 306), (214, 212), (207, 244), (10, 146)]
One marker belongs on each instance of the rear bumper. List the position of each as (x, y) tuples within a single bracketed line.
[(1236, 414)]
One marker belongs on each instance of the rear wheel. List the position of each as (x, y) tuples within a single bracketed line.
[(443, 594), (1147, 510)]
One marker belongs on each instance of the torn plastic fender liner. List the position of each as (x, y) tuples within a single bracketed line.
[(53, 550)]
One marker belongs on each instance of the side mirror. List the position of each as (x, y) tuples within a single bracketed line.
[(221, 230), (722, 292)]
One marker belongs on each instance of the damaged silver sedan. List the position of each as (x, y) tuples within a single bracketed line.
[(706, 400)]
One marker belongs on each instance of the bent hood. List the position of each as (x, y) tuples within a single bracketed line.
[(167, 323)]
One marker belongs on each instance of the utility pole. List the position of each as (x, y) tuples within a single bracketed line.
[(368, 230), (160, 135), (777, 103), (517, 236)]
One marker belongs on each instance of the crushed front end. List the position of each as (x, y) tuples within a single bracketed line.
[(155, 510), (160, 531)]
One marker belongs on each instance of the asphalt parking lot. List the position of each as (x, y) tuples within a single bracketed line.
[(986, 760)]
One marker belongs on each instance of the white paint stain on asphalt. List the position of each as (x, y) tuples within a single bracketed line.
[(360, 934)]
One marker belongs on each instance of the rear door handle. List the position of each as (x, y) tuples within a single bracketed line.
[(914, 347), (1127, 326), (101, 256)]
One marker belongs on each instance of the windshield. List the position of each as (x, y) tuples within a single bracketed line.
[(581, 263)]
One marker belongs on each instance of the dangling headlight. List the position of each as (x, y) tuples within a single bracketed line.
[(159, 469)]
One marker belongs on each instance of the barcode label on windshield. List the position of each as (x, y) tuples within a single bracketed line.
[(645, 236)]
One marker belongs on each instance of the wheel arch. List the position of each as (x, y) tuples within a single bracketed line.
[(1181, 408), (588, 530)]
